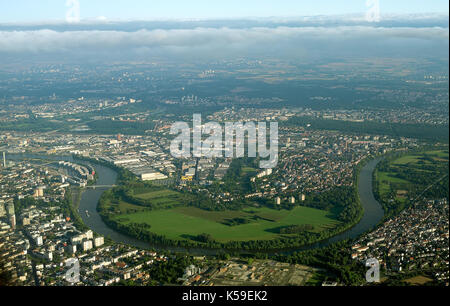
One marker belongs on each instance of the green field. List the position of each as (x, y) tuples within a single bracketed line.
[(415, 159), (387, 180), (425, 162), (248, 170), (186, 222), (406, 160), (126, 207), (160, 197), (156, 194), (156, 197)]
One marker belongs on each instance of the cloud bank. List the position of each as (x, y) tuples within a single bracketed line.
[(44, 40)]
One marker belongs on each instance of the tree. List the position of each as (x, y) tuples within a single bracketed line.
[(5, 278)]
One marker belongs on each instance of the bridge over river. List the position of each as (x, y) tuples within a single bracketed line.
[(100, 186)]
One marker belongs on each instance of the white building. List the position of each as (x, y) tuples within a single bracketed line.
[(38, 240), (76, 239), (99, 241), (190, 172), (79, 238), (2, 209), (125, 160), (89, 234), (152, 176), (87, 245)]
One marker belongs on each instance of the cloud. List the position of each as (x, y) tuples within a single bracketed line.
[(205, 38), (324, 20)]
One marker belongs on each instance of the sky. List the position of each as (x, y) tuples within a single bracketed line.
[(23, 11), (40, 27)]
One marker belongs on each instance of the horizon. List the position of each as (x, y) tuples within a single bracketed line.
[(351, 17), (101, 10)]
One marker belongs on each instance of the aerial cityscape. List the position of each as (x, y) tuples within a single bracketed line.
[(224, 150)]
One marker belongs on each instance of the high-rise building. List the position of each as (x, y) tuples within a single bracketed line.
[(89, 234), (87, 245), (10, 208), (99, 241), (4, 160), (2, 209), (39, 192), (12, 221), (25, 221), (38, 240), (278, 201)]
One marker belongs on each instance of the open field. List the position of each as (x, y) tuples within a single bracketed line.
[(424, 163), (186, 222), (159, 197), (415, 159), (439, 154), (387, 180), (386, 176), (418, 280), (126, 207), (156, 194), (163, 197), (407, 160), (248, 170)]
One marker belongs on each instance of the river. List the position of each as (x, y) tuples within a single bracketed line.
[(373, 211)]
